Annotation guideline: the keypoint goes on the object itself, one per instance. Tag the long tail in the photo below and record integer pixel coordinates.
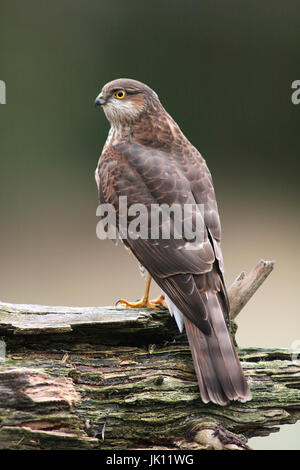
(218, 369)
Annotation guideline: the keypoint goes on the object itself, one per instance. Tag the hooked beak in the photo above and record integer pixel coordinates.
(99, 101)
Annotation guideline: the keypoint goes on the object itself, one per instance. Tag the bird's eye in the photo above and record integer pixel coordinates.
(119, 94)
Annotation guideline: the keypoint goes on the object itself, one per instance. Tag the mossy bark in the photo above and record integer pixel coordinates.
(115, 379)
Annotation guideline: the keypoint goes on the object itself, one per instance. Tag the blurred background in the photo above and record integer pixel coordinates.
(223, 70)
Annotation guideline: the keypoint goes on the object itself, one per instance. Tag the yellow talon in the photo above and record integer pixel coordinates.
(160, 301)
(145, 302)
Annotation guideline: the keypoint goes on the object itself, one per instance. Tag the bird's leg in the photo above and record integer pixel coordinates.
(144, 302)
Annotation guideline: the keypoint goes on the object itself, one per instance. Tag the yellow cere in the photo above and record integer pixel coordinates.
(120, 94)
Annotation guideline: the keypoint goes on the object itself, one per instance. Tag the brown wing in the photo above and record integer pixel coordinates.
(196, 171)
(150, 176)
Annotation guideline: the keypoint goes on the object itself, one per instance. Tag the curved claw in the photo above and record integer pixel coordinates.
(143, 303)
(158, 303)
(122, 301)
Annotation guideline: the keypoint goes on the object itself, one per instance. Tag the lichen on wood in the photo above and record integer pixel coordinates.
(111, 378)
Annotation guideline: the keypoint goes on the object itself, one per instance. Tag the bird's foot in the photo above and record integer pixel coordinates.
(143, 303)
(160, 302)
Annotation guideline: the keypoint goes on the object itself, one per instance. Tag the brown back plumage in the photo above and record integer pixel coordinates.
(149, 160)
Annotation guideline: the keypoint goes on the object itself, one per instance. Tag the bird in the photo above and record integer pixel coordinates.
(147, 159)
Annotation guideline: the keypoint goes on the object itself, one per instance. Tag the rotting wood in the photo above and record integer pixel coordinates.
(111, 378)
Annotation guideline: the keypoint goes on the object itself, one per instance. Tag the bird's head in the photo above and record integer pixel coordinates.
(125, 100)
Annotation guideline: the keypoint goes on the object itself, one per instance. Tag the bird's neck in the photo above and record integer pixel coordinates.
(118, 133)
(153, 129)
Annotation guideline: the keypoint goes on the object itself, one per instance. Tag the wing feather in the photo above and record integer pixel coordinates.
(183, 273)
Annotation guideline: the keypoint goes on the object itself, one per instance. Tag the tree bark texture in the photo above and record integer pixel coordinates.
(112, 378)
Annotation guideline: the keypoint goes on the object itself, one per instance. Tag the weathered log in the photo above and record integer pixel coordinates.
(111, 378)
(112, 325)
